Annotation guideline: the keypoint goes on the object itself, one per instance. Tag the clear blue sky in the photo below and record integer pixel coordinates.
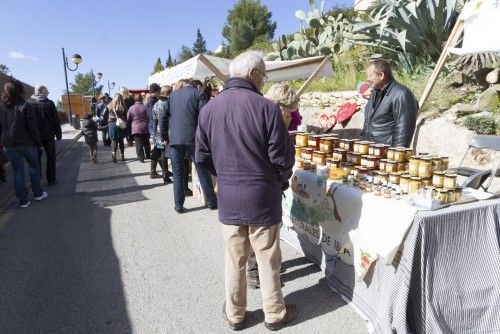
(121, 39)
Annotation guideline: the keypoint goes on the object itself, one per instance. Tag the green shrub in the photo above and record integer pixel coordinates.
(483, 125)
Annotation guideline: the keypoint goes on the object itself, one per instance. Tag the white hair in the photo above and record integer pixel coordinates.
(41, 89)
(241, 65)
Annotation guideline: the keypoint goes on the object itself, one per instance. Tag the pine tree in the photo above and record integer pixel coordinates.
(158, 67)
(83, 85)
(200, 45)
(169, 62)
(184, 54)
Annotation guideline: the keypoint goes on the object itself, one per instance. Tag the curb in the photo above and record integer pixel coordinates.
(11, 194)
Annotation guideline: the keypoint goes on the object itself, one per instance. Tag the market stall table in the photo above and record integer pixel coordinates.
(437, 272)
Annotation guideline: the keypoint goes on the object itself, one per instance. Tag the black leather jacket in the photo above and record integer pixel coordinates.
(391, 115)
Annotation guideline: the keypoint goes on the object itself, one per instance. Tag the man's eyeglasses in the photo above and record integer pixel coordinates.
(264, 76)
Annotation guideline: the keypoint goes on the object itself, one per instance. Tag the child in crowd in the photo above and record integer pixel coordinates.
(89, 131)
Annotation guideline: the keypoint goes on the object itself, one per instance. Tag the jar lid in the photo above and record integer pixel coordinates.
(391, 162)
(400, 148)
(394, 174)
(319, 152)
(409, 149)
(415, 157)
(450, 175)
(442, 190)
(383, 173)
(426, 158)
(438, 172)
(416, 178)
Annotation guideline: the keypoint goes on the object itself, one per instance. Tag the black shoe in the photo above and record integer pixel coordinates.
(169, 173)
(234, 326)
(154, 175)
(50, 184)
(188, 192)
(291, 314)
(167, 180)
(141, 160)
(181, 210)
(212, 207)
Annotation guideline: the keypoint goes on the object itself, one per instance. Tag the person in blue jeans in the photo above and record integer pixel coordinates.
(178, 128)
(20, 138)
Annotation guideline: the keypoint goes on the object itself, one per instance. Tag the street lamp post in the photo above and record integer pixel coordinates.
(94, 81)
(110, 87)
(76, 59)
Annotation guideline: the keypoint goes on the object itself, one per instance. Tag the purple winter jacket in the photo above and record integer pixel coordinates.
(137, 119)
(241, 137)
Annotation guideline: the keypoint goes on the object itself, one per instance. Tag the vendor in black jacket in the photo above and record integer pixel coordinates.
(391, 111)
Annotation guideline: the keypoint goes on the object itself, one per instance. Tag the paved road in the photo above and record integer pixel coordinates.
(106, 253)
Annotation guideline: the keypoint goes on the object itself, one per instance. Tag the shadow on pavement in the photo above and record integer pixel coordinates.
(59, 272)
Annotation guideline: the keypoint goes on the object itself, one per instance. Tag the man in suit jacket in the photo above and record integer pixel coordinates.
(391, 111)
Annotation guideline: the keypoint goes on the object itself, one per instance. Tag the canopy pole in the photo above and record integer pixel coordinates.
(312, 76)
(212, 67)
(452, 39)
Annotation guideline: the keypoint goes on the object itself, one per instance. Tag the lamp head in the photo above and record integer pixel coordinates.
(76, 59)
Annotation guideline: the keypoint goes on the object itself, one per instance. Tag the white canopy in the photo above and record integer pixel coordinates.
(481, 26)
(196, 68)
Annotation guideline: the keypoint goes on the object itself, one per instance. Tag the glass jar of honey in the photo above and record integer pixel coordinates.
(307, 153)
(356, 146)
(340, 154)
(409, 154)
(326, 144)
(377, 150)
(299, 163)
(298, 151)
(425, 167)
(391, 166)
(394, 178)
(404, 182)
(313, 141)
(450, 181)
(414, 185)
(382, 164)
(347, 167)
(372, 162)
(319, 158)
(400, 154)
(436, 164)
(401, 166)
(363, 147)
(445, 162)
(329, 155)
(390, 153)
(438, 179)
(349, 145)
(442, 196)
(333, 163)
(427, 182)
(413, 166)
(380, 177)
(301, 139)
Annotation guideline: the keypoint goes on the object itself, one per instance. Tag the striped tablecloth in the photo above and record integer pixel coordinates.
(445, 277)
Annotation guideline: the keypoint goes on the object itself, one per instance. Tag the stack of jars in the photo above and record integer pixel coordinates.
(313, 151)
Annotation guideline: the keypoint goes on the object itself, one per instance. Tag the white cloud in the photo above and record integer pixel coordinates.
(20, 55)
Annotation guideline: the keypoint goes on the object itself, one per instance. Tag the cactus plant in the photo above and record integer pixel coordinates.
(326, 36)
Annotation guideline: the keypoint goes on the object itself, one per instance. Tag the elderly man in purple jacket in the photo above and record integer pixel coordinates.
(241, 138)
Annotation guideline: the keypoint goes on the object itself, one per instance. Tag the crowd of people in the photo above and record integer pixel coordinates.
(239, 135)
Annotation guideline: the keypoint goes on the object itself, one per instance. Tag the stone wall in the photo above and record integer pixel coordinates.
(313, 105)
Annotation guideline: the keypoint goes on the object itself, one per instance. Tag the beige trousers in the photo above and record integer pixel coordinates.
(265, 242)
